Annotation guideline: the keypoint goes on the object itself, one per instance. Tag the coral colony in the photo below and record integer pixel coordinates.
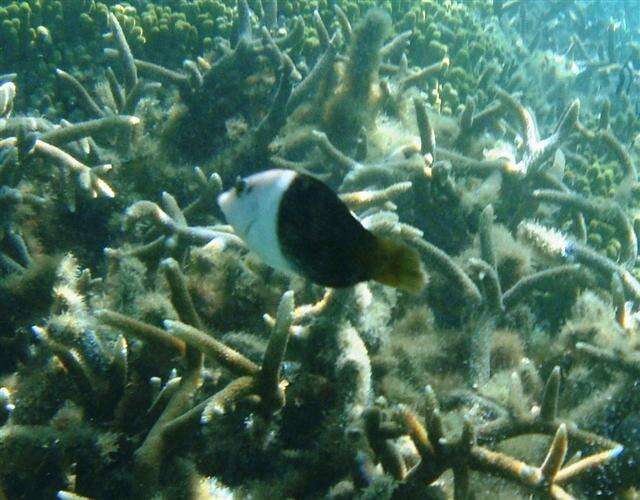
(147, 352)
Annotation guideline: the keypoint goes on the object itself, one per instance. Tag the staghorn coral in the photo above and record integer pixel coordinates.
(180, 363)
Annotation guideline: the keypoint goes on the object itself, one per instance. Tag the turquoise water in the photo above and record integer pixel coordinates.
(474, 198)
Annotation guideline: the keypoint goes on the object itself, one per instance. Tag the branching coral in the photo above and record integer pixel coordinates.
(465, 454)
(163, 370)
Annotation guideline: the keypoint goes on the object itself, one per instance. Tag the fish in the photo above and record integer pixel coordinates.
(297, 224)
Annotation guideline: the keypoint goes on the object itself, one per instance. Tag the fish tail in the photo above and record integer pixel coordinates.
(397, 265)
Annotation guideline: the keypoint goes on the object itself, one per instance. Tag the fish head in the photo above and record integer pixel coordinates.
(240, 206)
(253, 199)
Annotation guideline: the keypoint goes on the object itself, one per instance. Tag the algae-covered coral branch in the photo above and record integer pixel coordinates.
(149, 456)
(163, 371)
(437, 454)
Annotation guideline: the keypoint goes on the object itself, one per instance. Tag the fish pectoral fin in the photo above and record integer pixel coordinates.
(397, 265)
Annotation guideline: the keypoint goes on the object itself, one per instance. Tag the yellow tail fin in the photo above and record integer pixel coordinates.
(397, 265)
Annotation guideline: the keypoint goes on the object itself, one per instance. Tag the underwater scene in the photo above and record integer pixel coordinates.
(319, 249)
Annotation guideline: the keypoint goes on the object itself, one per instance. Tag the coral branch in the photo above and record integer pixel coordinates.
(546, 280)
(367, 198)
(537, 150)
(227, 357)
(441, 262)
(76, 131)
(427, 135)
(549, 403)
(130, 72)
(606, 210)
(438, 454)
(317, 74)
(271, 394)
(220, 402)
(151, 453)
(345, 25)
(556, 245)
(487, 250)
(628, 362)
(81, 92)
(139, 329)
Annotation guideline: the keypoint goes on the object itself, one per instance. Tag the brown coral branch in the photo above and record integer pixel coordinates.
(139, 329)
(612, 142)
(580, 226)
(162, 399)
(263, 382)
(295, 35)
(441, 262)
(420, 76)
(545, 280)
(317, 74)
(244, 31)
(129, 66)
(438, 454)
(527, 123)
(177, 78)
(604, 209)
(550, 396)
(81, 92)
(619, 360)
(84, 379)
(175, 226)
(275, 118)
(270, 13)
(87, 178)
(117, 92)
(367, 198)
(558, 246)
(480, 341)
(76, 131)
(380, 436)
(485, 233)
(619, 301)
(67, 495)
(268, 380)
(210, 187)
(467, 115)
(586, 464)
(427, 134)
(589, 257)
(485, 116)
(537, 150)
(307, 311)
(342, 160)
(477, 167)
(489, 277)
(396, 44)
(153, 248)
(180, 297)
(205, 343)
(343, 20)
(222, 401)
(321, 30)
(137, 92)
(518, 420)
(149, 456)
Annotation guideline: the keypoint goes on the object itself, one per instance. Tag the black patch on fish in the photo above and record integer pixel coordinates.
(320, 237)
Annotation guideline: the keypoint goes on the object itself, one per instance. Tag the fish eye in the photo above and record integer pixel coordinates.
(240, 185)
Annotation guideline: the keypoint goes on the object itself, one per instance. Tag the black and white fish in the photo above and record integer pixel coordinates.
(297, 224)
